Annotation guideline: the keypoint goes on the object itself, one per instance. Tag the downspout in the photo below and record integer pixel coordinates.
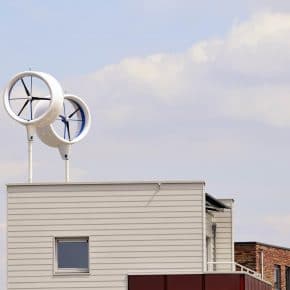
(233, 241)
(214, 245)
(204, 230)
(262, 264)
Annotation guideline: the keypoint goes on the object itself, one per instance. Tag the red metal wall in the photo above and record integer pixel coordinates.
(196, 282)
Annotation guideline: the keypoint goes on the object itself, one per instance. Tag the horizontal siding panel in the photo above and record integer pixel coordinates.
(110, 261)
(144, 209)
(24, 245)
(29, 262)
(128, 247)
(196, 228)
(97, 268)
(61, 285)
(135, 267)
(104, 251)
(106, 232)
(110, 255)
(151, 255)
(109, 244)
(66, 278)
(224, 225)
(169, 237)
(76, 287)
(224, 230)
(224, 257)
(32, 250)
(141, 248)
(29, 268)
(224, 215)
(225, 250)
(106, 188)
(225, 235)
(96, 205)
(195, 222)
(98, 215)
(96, 199)
(100, 274)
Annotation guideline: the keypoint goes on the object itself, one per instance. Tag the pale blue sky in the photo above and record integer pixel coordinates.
(177, 89)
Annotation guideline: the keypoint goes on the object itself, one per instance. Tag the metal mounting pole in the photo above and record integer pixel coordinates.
(66, 161)
(30, 161)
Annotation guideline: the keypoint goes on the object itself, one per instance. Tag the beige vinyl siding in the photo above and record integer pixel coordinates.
(224, 236)
(132, 228)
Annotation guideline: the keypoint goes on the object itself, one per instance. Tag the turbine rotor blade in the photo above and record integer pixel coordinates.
(68, 131)
(37, 98)
(74, 112)
(25, 104)
(25, 87)
(31, 109)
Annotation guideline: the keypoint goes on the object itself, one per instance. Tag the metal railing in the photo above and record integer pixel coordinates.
(232, 267)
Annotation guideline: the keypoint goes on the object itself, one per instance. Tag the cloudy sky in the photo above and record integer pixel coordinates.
(177, 89)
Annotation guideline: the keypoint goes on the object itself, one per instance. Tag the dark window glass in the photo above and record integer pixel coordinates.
(72, 253)
(287, 272)
(277, 277)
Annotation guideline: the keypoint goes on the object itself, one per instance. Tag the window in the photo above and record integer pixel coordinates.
(277, 277)
(287, 273)
(71, 255)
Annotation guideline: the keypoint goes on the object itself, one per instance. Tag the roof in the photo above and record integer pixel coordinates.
(261, 244)
(214, 204)
(114, 182)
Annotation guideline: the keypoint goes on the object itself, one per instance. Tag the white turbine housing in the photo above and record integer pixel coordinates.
(71, 125)
(19, 98)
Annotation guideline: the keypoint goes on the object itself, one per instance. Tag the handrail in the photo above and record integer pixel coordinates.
(236, 267)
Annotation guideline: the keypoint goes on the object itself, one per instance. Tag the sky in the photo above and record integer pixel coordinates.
(190, 90)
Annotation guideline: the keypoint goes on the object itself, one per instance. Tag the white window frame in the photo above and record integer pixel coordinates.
(69, 271)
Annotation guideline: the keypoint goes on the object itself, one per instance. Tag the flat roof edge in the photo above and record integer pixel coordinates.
(134, 182)
(262, 244)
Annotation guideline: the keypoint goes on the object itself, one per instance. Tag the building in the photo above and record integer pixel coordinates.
(272, 262)
(111, 235)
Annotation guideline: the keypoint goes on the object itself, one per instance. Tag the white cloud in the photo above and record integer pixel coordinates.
(245, 76)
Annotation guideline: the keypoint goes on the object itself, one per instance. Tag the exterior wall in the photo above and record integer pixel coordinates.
(246, 255)
(249, 255)
(132, 228)
(224, 236)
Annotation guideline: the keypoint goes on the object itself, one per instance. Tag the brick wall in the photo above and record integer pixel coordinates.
(249, 255)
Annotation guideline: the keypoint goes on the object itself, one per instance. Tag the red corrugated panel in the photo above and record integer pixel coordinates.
(146, 282)
(254, 284)
(196, 282)
(184, 282)
(222, 282)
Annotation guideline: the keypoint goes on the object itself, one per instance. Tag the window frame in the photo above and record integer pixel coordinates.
(70, 271)
(287, 276)
(277, 278)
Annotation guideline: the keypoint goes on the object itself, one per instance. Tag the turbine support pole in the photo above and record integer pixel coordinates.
(66, 162)
(30, 161)
(64, 150)
(30, 134)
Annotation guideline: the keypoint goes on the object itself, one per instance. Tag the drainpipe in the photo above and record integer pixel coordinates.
(204, 266)
(214, 244)
(262, 264)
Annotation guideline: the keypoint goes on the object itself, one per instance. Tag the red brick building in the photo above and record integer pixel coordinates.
(272, 262)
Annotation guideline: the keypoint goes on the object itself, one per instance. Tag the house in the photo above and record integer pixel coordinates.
(121, 235)
(273, 262)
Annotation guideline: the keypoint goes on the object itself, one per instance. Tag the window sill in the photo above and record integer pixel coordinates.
(70, 273)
